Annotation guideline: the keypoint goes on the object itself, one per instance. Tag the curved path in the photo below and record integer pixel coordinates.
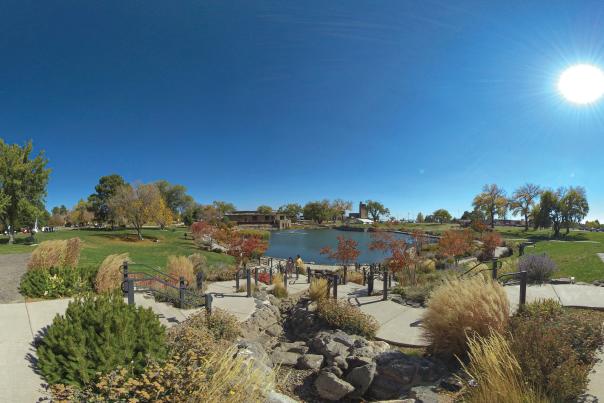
(12, 267)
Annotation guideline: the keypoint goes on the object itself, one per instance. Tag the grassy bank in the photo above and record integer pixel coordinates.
(97, 244)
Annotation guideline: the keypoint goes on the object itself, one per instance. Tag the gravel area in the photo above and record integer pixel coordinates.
(12, 268)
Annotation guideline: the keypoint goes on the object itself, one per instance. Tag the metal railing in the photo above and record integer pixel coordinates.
(152, 279)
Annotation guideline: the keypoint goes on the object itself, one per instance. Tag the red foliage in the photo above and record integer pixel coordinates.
(243, 248)
(264, 278)
(347, 252)
(455, 243)
(401, 253)
(490, 241)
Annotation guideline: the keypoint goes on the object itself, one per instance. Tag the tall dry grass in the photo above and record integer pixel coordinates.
(459, 309)
(278, 289)
(199, 261)
(318, 289)
(58, 253)
(109, 277)
(497, 373)
(181, 266)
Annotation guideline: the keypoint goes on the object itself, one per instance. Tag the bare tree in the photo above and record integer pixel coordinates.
(523, 201)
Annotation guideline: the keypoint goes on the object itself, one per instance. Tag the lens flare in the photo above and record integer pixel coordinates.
(582, 84)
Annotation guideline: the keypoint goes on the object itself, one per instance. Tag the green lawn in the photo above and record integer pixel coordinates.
(97, 244)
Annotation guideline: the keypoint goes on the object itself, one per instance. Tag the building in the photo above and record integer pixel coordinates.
(256, 219)
(362, 214)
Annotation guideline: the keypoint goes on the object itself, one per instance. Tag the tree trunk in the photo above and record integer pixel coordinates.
(139, 233)
(492, 220)
(526, 222)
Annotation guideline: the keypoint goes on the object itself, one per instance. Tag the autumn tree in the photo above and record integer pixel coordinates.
(223, 207)
(376, 210)
(244, 247)
(339, 208)
(136, 205)
(291, 211)
(523, 201)
(490, 241)
(23, 181)
(419, 240)
(402, 257)
(455, 243)
(104, 190)
(347, 252)
(165, 214)
(318, 211)
(175, 197)
(81, 213)
(492, 202)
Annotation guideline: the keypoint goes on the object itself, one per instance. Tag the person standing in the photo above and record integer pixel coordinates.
(299, 265)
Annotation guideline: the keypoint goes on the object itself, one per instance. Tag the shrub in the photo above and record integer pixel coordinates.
(556, 347)
(97, 334)
(419, 293)
(109, 276)
(461, 308)
(181, 266)
(57, 282)
(539, 268)
(497, 373)
(56, 253)
(341, 315)
(355, 277)
(319, 289)
(278, 290)
(199, 262)
(221, 272)
(220, 377)
(257, 233)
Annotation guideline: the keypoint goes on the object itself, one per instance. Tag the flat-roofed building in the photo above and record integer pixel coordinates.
(256, 219)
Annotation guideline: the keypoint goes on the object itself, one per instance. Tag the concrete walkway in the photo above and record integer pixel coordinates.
(12, 267)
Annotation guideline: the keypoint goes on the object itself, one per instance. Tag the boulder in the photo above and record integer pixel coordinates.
(276, 397)
(296, 347)
(285, 358)
(361, 378)
(274, 330)
(254, 353)
(357, 361)
(340, 361)
(395, 374)
(451, 383)
(310, 361)
(334, 370)
(424, 394)
(330, 387)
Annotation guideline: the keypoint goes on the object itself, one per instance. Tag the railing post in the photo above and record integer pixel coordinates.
(248, 282)
(256, 277)
(181, 292)
(199, 279)
(209, 300)
(237, 280)
(494, 268)
(125, 268)
(297, 273)
(370, 281)
(345, 280)
(285, 279)
(336, 280)
(130, 283)
(523, 281)
(385, 276)
(308, 274)
(270, 273)
(521, 249)
(364, 276)
(390, 275)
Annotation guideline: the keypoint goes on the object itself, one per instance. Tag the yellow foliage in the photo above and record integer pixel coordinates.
(278, 290)
(109, 276)
(181, 266)
(318, 289)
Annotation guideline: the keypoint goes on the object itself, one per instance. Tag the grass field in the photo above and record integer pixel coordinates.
(97, 244)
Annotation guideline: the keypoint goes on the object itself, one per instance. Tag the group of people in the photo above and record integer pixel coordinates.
(298, 264)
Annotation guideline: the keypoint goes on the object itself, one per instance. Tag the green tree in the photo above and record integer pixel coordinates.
(292, 211)
(339, 208)
(376, 210)
(442, 216)
(549, 211)
(264, 209)
(223, 207)
(23, 182)
(105, 189)
(523, 201)
(492, 202)
(81, 213)
(59, 210)
(420, 218)
(175, 196)
(574, 206)
(318, 211)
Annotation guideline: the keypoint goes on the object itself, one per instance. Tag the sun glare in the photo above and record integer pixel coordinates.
(582, 83)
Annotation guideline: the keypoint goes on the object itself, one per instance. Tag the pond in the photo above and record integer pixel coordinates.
(308, 243)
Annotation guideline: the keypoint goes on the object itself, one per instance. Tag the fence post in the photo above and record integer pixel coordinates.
(209, 300)
(285, 279)
(125, 266)
(308, 274)
(256, 277)
(523, 281)
(494, 268)
(181, 292)
(521, 249)
(270, 274)
(364, 276)
(385, 275)
(297, 272)
(199, 278)
(237, 280)
(248, 282)
(130, 291)
(345, 280)
(336, 280)
(370, 281)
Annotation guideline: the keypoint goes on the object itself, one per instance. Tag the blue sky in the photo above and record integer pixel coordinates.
(414, 103)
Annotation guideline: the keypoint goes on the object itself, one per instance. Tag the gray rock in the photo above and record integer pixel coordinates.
(357, 361)
(333, 349)
(334, 370)
(296, 347)
(310, 361)
(363, 352)
(330, 387)
(276, 397)
(274, 330)
(344, 338)
(395, 374)
(380, 346)
(361, 378)
(285, 358)
(451, 383)
(254, 354)
(424, 394)
(341, 362)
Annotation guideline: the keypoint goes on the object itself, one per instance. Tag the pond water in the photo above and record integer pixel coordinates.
(308, 243)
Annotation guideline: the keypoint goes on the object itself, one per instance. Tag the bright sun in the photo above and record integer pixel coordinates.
(582, 83)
